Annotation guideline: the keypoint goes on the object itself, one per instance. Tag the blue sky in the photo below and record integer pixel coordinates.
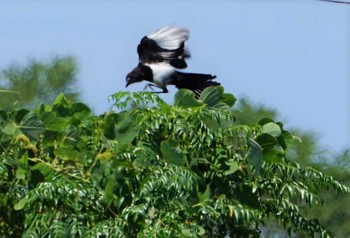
(290, 55)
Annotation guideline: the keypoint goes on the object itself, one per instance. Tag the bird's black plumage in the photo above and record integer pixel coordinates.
(139, 73)
(194, 82)
(160, 53)
(150, 52)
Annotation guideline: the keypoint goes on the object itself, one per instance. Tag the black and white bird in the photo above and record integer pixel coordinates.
(160, 54)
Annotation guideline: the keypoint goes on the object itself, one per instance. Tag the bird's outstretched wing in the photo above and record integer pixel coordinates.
(165, 45)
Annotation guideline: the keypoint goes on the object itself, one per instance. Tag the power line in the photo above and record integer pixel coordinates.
(335, 1)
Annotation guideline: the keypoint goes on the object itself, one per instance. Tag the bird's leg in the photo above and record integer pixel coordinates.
(151, 86)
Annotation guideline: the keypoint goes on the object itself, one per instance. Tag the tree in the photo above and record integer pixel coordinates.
(151, 170)
(38, 83)
(334, 212)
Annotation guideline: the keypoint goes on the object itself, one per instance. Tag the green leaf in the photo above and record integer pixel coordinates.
(233, 167)
(266, 141)
(272, 151)
(109, 125)
(59, 124)
(229, 99)
(272, 128)
(203, 197)
(212, 95)
(46, 170)
(187, 232)
(201, 231)
(3, 115)
(216, 121)
(274, 155)
(52, 122)
(185, 98)
(80, 107)
(126, 129)
(21, 173)
(141, 162)
(286, 140)
(211, 123)
(265, 121)
(22, 168)
(109, 190)
(60, 99)
(67, 154)
(20, 204)
(31, 126)
(171, 152)
(10, 128)
(47, 117)
(79, 112)
(226, 121)
(255, 156)
(194, 230)
(163, 106)
(20, 114)
(222, 106)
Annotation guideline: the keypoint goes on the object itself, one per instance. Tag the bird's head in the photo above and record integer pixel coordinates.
(138, 74)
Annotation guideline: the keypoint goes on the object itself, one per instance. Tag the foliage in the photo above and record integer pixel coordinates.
(335, 215)
(151, 170)
(248, 113)
(37, 83)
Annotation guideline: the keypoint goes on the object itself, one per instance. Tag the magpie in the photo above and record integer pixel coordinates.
(160, 54)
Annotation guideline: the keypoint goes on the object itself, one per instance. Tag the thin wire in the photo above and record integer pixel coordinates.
(335, 1)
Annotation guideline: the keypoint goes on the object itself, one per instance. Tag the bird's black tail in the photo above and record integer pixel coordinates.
(194, 82)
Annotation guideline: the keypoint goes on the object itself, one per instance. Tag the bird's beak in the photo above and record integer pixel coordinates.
(127, 82)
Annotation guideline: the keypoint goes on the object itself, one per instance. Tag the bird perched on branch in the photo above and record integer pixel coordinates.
(160, 54)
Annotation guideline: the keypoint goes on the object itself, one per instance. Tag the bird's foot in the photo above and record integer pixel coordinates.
(149, 85)
(152, 86)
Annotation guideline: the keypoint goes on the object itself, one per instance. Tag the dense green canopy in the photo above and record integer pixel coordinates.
(151, 169)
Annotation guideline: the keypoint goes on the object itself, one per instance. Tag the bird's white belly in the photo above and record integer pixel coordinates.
(161, 73)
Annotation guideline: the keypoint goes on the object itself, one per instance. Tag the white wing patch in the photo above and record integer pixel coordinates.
(170, 37)
(161, 73)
